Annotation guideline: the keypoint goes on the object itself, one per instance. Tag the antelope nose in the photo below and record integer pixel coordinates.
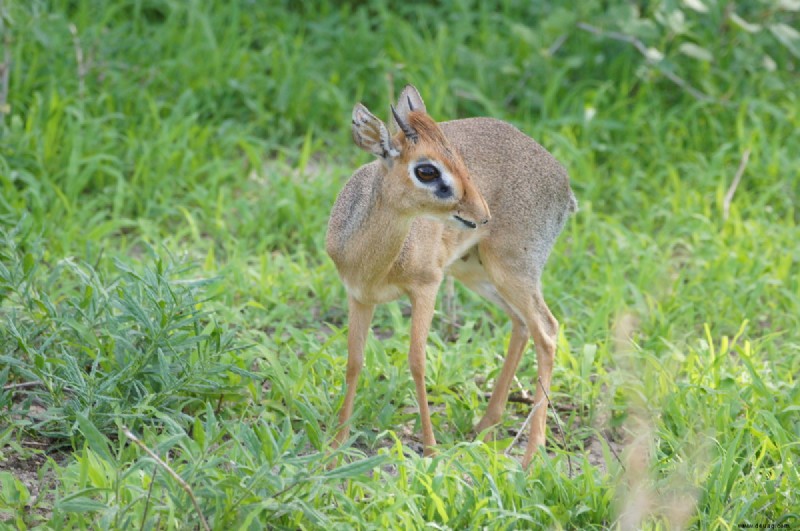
(487, 216)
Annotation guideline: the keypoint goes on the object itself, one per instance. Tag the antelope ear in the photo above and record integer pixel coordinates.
(370, 134)
(409, 100)
(402, 123)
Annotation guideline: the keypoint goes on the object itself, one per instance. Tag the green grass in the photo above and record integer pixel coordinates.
(166, 173)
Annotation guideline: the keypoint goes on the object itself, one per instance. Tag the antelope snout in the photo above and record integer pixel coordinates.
(474, 215)
(482, 214)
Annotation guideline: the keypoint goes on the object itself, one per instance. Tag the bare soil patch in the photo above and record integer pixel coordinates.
(34, 471)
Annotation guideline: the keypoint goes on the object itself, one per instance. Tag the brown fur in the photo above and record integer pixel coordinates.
(384, 244)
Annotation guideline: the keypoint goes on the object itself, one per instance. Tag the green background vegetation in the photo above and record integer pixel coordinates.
(166, 173)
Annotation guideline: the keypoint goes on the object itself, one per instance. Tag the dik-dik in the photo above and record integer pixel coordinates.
(475, 198)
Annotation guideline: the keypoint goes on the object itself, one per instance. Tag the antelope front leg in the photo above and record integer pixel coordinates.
(422, 305)
(360, 316)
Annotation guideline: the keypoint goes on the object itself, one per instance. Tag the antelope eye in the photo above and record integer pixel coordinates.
(426, 173)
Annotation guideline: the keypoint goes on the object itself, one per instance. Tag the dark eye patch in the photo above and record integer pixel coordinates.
(427, 173)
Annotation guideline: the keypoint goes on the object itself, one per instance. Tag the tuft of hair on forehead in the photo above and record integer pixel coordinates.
(426, 128)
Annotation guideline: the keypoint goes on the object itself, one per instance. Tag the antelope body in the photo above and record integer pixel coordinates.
(475, 198)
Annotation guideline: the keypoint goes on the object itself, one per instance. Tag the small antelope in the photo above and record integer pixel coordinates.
(476, 198)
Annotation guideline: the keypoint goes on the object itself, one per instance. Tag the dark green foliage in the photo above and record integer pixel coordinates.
(133, 344)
